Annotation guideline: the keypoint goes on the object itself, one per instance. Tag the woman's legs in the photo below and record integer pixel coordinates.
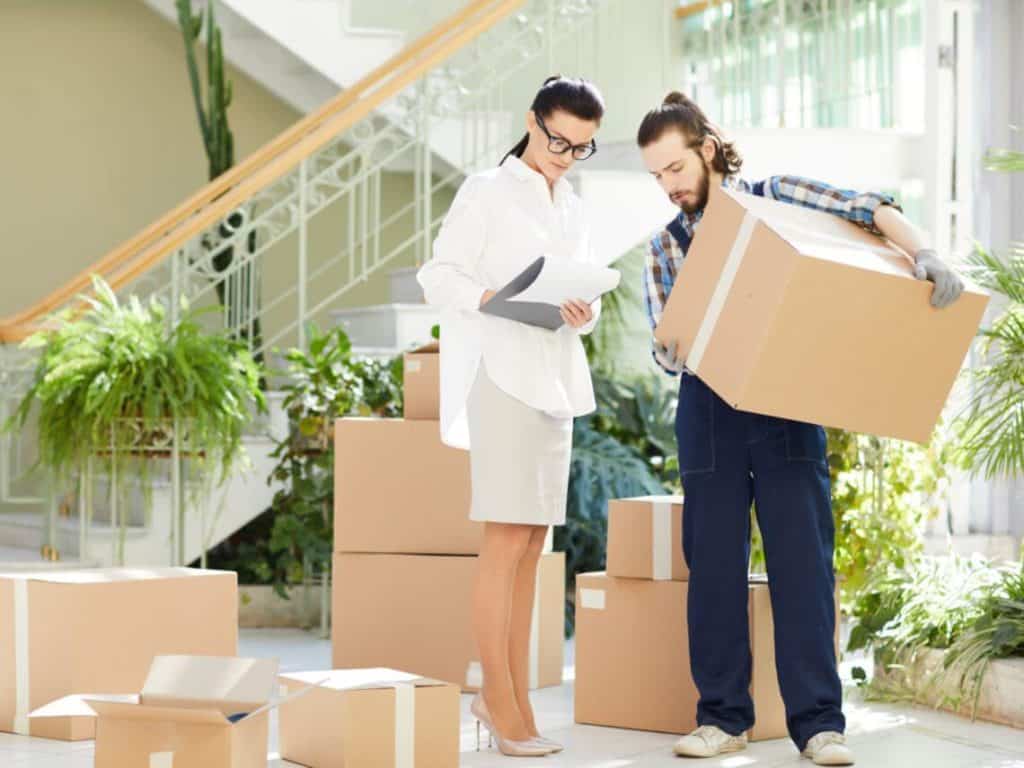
(504, 546)
(519, 633)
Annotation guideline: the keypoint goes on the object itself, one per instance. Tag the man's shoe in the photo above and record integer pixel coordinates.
(708, 741)
(828, 748)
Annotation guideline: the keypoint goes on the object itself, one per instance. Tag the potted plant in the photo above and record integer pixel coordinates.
(120, 385)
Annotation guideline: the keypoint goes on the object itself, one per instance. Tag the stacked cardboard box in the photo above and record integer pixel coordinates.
(405, 550)
(632, 651)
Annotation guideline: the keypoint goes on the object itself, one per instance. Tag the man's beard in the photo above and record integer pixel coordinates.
(702, 192)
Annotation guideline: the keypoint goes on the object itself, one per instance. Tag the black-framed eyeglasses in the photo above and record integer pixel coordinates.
(560, 146)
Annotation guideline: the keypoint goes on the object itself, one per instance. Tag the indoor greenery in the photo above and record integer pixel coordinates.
(991, 426)
(211, 101)
(293, 540)
(968, 607)
(125, 376)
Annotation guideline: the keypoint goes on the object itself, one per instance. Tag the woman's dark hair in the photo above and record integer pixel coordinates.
(678, 112)
(576, 96)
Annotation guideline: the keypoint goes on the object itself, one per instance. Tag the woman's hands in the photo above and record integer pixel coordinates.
(576, 313)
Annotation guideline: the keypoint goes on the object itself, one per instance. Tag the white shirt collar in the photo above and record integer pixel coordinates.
(522, 171)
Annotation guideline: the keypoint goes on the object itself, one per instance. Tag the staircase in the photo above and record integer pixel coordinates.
(355, 192)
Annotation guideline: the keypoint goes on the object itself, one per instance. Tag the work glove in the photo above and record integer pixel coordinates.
(948, 285)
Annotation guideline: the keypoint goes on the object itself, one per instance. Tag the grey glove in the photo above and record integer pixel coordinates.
(948, 285)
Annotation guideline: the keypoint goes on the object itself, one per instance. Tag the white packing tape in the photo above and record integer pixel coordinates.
(721, 292)
(661, 540)
(413, 366)
(21, 659)
(592, 598)
(161, 760)
(405, 725)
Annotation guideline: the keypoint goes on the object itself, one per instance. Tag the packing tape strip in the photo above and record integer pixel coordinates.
(592, 598)
(405, 725)
(21, 659)
(161, 760)
(721, 292)
(661, 540)
(413, 366)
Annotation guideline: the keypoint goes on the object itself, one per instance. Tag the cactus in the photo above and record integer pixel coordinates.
(219, 142)
(212, 111)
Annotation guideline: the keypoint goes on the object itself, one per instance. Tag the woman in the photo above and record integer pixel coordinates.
(510, 390)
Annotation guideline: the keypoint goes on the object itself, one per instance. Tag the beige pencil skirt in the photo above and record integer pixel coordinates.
(519, 458)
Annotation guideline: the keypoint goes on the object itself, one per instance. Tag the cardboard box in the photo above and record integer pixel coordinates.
(792, 312)
(421, 389)
(193, 712)
(98, 630)
(369, 718)
(413, 612)
(631, 637)
(399, 489)
(645, 538)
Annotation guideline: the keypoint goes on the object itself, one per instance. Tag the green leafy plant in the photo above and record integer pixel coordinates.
(996, 632)
(991, 426)
(294, 539)
(115, 380)
(970, 608)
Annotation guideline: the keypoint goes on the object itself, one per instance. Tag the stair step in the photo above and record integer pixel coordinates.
(388, 326)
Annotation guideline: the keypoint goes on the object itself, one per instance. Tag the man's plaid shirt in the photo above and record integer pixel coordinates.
(665, 255)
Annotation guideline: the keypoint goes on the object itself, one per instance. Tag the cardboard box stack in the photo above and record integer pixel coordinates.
(405, 549)
(632, 651)
(792, 312)
(64, 632)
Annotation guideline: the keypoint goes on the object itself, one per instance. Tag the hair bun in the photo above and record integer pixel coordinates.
(675, 98)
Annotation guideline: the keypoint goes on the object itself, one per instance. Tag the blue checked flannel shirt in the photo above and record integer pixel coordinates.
(665, 256)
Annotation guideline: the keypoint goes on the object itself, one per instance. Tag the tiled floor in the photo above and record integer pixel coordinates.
(882, 735)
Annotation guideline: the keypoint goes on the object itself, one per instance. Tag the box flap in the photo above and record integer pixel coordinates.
(210, 678)
(122, 711)
(360, 679)
(81, 705)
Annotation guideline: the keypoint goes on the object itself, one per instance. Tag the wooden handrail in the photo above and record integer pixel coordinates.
(215, 200)
(693, 9)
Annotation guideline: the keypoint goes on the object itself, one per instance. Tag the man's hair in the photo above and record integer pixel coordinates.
(678, 112)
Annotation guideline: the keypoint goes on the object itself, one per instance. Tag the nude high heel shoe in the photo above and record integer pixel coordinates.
(529, 748)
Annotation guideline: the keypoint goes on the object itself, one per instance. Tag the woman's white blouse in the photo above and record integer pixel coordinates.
(499, 223)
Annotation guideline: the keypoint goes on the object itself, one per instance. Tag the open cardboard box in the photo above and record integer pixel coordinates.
(192, 712)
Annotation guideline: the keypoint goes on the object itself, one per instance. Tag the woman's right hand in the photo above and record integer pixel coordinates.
(488, 294)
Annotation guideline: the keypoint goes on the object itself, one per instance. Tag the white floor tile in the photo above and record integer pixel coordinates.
(882, 735)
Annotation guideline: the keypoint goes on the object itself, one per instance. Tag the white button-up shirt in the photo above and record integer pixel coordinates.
(499, 223)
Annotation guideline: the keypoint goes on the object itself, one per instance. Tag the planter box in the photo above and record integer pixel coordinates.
(260, 606)
(1002, 689)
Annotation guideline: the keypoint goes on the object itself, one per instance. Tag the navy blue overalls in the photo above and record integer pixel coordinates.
(728, 459)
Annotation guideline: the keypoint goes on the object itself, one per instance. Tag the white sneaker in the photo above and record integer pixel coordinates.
(708, 741)
(828, 748)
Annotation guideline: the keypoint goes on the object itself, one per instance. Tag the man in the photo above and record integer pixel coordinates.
(730, 458)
